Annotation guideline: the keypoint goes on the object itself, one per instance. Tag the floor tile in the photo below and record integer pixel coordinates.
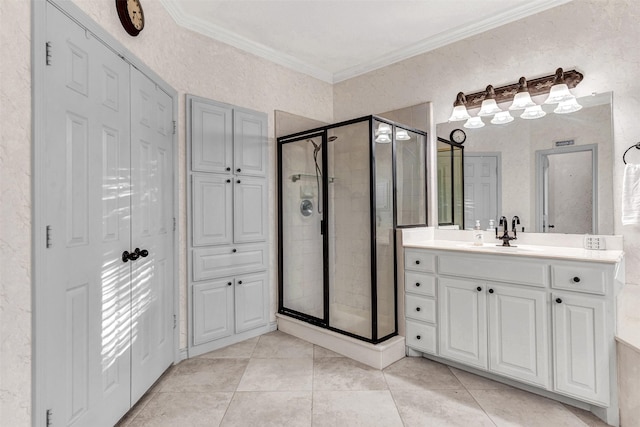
(269, 409)
(319, 352)
(205, 375)
(133, 412)
(518, 408)
(277, 375)
(434, 408)
(355, 409)
(341, 373)
(241, 350)
(417, 373)
(476, 382)
(587, 417)
(280, 345)
(183, 409)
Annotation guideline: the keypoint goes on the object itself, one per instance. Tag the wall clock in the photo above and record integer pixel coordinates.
(458, 136)
(131, 15)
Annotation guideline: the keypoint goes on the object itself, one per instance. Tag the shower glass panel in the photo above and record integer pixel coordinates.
(302, 242)
(385, 236)
(337, 217)
(411, 181)
(350, 230)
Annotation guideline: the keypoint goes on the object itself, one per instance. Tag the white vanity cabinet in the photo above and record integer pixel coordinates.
(538, 320)
(227, 224)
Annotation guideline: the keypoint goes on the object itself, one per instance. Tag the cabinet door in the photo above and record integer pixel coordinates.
(211, 136)
(251, 301)
(250, 143)
(463, 321)
(212, 310)
(250, 206)
(518, 334)
(212, 215)
(581, 362)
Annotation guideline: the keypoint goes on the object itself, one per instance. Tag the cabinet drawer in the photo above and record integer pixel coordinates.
(529, 272)
(420, 308)
(420, 283)
(419, 260)
(580, 277)
(421, 337)
(224, 261)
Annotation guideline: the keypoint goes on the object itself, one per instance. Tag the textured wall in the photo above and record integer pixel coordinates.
(189, 62)
(598, 37)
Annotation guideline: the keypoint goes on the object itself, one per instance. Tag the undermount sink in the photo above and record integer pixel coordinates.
(499, 248)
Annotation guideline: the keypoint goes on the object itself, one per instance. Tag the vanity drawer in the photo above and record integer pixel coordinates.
(530, 272)
(210, 263)
(580, 277)
(420, 283)
(419, 260)
(421, 337)
(420, 308)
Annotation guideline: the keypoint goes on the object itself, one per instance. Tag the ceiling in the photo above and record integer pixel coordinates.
(334, 40)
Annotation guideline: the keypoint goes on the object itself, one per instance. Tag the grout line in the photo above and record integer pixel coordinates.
(472, 396)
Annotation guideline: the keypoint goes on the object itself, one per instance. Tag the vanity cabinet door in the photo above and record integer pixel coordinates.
(581, 362)
(463, 321)
(518, 333)
(251, 301)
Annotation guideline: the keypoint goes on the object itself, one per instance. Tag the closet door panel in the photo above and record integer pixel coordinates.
(152, 224)
(212, 209)
(211, 137)
(86, 207)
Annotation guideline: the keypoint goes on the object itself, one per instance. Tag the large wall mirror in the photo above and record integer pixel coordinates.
(555, 173)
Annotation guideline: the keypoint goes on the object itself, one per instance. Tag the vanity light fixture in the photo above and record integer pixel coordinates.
(474, 123)
(459, 109)
(489, 106)
(522, 99)
(557, 85)
(402, 135)
(502, 118)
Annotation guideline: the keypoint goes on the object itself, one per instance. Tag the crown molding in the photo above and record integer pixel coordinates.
(196, 24)
(218, 33)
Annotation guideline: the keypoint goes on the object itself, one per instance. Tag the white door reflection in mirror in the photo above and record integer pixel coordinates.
(567, 200)
(481, 192)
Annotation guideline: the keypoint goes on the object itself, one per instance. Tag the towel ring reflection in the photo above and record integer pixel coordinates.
(637, 145)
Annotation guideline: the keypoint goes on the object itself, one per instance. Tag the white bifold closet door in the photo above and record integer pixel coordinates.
(109, 189)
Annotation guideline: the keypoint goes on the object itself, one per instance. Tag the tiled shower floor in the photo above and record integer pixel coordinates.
(280, 380)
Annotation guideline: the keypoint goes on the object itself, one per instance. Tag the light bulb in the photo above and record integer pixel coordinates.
(534, 112)
(501, 118)
(474, 123)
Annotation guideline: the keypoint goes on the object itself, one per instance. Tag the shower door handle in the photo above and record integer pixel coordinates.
(322, 226)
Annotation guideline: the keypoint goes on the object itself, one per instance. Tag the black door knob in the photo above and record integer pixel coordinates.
(479, 288)
(418, 337)
(559, 301)
(238, 181)
(417, 284)
(228, 180)
(238, 170)
(125, 256)
(229, 283)
(234, 250)
(239, 282)
(490, 291)
(576, 279)
(417, 261)
(417, 308)
(228, 169)
(143, 253)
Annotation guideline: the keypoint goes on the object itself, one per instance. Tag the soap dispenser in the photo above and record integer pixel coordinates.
(477, 234)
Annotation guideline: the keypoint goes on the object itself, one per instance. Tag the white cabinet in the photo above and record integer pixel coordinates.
(228, 232)
(463, 321)
(541, 321)
(581, 355)
(518, 333)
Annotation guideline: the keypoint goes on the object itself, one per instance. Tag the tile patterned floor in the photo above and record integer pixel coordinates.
(280, 380)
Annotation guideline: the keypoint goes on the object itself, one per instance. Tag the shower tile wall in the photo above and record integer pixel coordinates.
(302, 241)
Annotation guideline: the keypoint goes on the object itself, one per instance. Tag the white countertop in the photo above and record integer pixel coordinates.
(532, 251)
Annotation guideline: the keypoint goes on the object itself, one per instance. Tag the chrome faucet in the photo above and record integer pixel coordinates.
(505, 230)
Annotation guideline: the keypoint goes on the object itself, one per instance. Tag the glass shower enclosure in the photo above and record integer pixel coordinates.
(342, 191)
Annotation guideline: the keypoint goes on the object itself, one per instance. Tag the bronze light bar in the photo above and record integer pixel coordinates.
(537, 86)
